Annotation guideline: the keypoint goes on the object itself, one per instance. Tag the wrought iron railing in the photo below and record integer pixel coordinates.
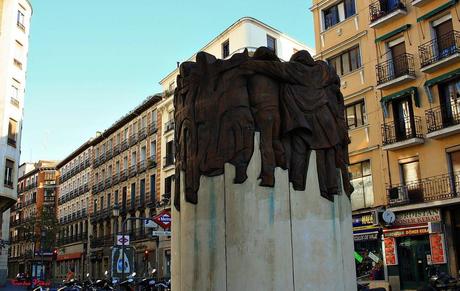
(429, 189)
(439, 48)
(168, 160)
(405, 129)
(153, 128)
(169, 125)
(442, 117)
(382, 8)
(394, 68)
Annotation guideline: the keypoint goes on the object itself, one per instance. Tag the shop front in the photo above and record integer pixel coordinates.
(367, 235)
(412, 243)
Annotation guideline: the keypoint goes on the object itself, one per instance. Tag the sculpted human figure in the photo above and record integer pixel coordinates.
(308, 119)
(264, 100)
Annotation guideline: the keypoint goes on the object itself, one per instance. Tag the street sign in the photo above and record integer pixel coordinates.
(148, 223)
(122, 264)
(122, 240)
(163, 219)
(161, 233)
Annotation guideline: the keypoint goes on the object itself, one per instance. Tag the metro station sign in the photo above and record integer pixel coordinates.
(163, 219)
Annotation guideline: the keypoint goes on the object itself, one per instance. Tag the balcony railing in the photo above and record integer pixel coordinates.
(133, 139)
(123, 175)
(153, 128)
(442, 117)
(99, 242)
(124, 145)
(169, 125)
(132, 171)
(49, 199)
(116, 149)
(115, 179)
(395, 132)
(394, 68)
(151, 162)
(168, 160)
(430, 189)
(439, 48)
(108, 182)
(382, 8)
(141, 166)
(138, 233)
(142, 133)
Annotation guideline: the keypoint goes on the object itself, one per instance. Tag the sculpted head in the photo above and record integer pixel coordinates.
(303, 57)
(265, 54)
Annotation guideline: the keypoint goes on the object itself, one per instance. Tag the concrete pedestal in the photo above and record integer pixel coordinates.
(248, 237)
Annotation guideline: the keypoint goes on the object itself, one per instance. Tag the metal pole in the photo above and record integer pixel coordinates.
(123, 228)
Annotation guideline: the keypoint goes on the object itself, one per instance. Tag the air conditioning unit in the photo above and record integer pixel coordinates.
(434, 227)
(398, 194)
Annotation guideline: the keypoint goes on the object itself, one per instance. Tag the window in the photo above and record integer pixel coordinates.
(8, 179)
(168, 186)
(143, 153)
(133, 193)
(20, 20)
(108, 200)
(142, 190)
(225, 49)
(152, 188)
(14, 96)
(12, 132)
(115, 197)
(338, 13)
(169, 159)
(17, 63)
(410, 172)
(154, 118)
(361, 179)
(153, 149)
(356, 114)
(346, 62)
(271, 43)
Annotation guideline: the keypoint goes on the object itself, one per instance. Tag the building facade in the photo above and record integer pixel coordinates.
(15, 18)
(125, 187)
(399, 67)
(74, 193)
(33, 221)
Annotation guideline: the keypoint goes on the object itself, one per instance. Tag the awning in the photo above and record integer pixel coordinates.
(437, 10)
(442, 78)
(392, 33)
(409, 91)
(71, 256)
(430, 83)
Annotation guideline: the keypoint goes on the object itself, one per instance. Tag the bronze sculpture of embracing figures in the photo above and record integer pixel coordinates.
(296, 107)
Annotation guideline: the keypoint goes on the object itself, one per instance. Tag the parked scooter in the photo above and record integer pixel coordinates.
(71, 285)
(103, 284)
(128, 284)
(148, 284)
(440, 280)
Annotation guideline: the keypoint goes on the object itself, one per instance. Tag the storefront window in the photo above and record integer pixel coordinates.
(361, 179)
(369, 260)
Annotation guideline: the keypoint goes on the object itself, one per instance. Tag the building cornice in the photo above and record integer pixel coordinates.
(341, 45)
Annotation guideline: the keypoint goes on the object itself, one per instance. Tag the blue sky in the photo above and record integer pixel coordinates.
(90, 62)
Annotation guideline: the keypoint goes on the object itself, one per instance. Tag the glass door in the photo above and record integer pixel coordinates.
(450, 102)
(403, 119)
(410, 174)
(412, 255)
(444, 38)
(399, 61)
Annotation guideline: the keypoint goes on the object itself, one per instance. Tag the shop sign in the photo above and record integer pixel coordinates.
(363, 220)
(391, 256)
(407, 232)
(365, 236)
(418, 216)
(438, 250)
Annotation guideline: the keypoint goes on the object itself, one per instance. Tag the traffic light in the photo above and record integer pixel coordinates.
(55, 253)
(146, 255)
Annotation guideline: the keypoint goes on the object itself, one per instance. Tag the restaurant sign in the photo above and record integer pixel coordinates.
(418, 216)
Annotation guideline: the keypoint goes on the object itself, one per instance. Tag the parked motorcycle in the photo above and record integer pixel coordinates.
(440, 280)
(71, 285)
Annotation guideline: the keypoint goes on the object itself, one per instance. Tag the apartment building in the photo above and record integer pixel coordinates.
(246, 33)
(124, 187)
(399, 66)
(72, 212)
(15, 18)
(33, 221)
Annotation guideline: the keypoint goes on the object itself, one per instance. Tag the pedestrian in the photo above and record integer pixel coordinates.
(70, 274)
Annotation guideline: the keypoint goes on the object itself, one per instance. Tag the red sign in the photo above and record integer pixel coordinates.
(163, 219)
(438, 253)
(390, 251)
(406, 232)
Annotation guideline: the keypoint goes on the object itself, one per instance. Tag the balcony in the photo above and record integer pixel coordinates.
(168, 160)
(169, 126)
(124, 145)
(384, 11)
(116, 149)
(108, 183)
(139, 233)
(96, 162)
(403, 134)
(115, 179)
(142, 133)
(123, 175)
(100, 242)
(425, 190)
(49, 199)
(133, 139)
(94, 189)
(132, 205)
(132, 171)
(395, 71)
(153, 128)
(419, 3)
(443, 121)
(440, 52)
(151, 162)
(141, 166)
(140, 201)
(100, 186)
